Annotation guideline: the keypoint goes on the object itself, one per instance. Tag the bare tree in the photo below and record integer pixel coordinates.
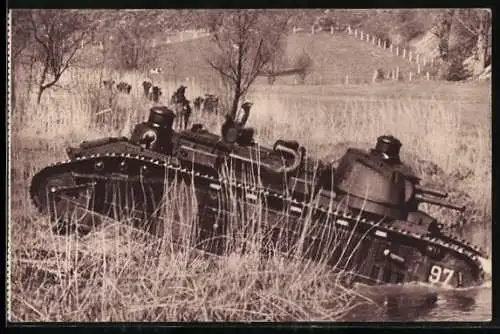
(132, 45)
(442, 31)
(246, 41)
(19, 42)
(59, 35)
(477, 22)
(139, 31)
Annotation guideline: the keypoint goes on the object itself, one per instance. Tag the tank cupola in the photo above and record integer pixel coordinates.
(388, 148)
(161, 116)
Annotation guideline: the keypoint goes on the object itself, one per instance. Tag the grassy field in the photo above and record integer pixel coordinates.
(118, 274)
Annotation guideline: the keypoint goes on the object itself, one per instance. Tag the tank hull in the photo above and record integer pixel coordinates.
(118, 179)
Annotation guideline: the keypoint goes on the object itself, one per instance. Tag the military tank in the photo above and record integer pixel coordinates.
(360, 216)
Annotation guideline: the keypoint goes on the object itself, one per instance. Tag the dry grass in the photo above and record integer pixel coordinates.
(118, 274)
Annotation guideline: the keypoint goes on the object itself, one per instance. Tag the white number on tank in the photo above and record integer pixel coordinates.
(437, 272)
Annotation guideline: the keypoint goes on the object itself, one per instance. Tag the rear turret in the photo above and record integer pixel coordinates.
(156, 133)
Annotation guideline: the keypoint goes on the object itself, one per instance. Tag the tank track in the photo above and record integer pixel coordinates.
(449, 242)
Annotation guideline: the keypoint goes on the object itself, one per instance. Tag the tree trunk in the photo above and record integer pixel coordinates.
(237, 88)
(42, 81)
(482, 44)
(445, 21)
(236, 99)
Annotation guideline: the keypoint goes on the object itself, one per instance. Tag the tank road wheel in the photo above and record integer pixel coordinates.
(61, 211)
(41, 196)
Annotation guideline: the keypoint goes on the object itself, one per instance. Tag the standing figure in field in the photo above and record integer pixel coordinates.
(108, 84)
(197, 103)
(181, 106)
(146, 86)
(243, 114)
(155, 94)
(211, 104)
(234, 131)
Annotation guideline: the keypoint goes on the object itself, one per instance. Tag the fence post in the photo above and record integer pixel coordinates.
(331, 29)
(397, 50)
(428, 76)
(425, 60)
(418, 68)
(378, 42)
(355, 32)
(410, 75)
(368, 38)
(418, 58)
(385, 44)
(397, 73)
(361, 34)
(373, 40)
(410, 57)
(404, 53)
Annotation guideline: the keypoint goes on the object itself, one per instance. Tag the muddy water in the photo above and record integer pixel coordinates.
(422, 303)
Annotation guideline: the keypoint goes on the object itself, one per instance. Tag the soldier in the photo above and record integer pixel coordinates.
(146, 85)
(108, 84)
(197, 103)
(243, 113)
(156, 93)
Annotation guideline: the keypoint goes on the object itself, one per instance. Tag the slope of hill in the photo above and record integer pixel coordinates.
(334, 57)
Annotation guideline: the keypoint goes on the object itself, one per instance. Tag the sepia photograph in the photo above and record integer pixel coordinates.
(249, 165)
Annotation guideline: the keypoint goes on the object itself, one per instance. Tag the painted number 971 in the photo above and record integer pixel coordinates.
(437, 272)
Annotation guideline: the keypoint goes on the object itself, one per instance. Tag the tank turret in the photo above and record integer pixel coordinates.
(155, 134)
(379, 183)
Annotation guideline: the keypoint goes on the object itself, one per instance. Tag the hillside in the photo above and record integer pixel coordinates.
(334, 57)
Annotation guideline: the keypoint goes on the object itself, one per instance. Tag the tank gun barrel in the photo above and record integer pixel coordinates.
(429, 191)
(427, 199)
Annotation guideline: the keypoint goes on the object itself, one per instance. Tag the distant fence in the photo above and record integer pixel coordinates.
(421, 61)
(348, 79)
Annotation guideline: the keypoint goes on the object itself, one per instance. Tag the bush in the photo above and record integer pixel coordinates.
(303, 61)
(411, 30)
(453, 69)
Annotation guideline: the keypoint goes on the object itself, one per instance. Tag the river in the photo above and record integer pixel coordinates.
(419, 303)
